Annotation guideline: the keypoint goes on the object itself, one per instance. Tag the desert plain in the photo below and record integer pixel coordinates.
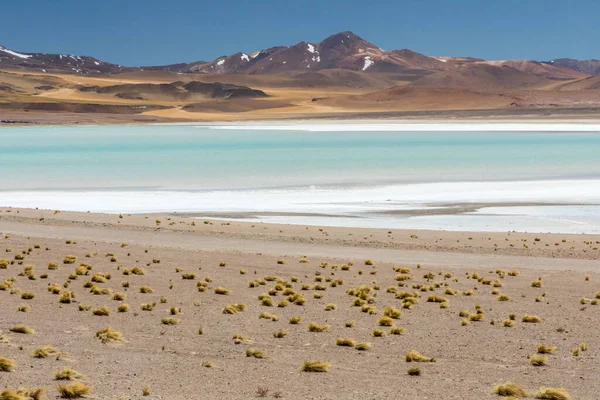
(206, 308)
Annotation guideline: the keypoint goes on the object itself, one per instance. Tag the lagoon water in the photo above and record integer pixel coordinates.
(450, 176)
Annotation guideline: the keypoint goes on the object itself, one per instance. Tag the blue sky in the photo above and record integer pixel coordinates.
(153, 32)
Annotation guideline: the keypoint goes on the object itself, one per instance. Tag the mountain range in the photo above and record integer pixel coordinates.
(341, 51)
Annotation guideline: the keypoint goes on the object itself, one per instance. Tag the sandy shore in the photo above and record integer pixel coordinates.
(470, 359)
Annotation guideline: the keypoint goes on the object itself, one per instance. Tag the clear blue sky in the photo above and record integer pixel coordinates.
(152, 32)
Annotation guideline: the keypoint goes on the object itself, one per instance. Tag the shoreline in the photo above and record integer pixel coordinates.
(523, 244)
(530, 116)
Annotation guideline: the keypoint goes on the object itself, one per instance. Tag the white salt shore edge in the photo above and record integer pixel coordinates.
(379, 126)
(578, 212)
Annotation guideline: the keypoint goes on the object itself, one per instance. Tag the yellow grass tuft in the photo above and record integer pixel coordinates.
(363, 346)
(510, 389)
(538, 360)
(315, 366)
(543, 349)
(222, 290)
(385, 321)
(347, 342)
(255, 353)
(7, 365)
(531, 319)
(45, 351)
(74, 390)
(280, 334)
(234, 308)
(392, 312)
(103, 311)
(123, 308)
(415, 356)
(146, 289)
(312, 327)
(552, 394)
(397, 331)
(170, 321)
(67, 374)
(109, 335)
(22, 329)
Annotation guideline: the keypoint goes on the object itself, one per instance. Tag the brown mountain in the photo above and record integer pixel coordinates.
(343, 50)
(479, 76)
(546, 70)
(590, 67)
(56, 62)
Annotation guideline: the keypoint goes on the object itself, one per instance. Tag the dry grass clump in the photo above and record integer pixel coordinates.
(312, 327)
(146, 289)
(119, 296)
(74, 390)
(415, 356)
(222, 290)
(84, 307)
(510, 389)
(146, 391)
(188, 276)
(503, 297)
(54, 288)
(103, 311)
(363, 346)
(538, 360)
(234, 308)
(330, 307)
(543, 349)
(414, 371)
(295, 320)
(22, 329)
(147, 306)
(170, 321)
(531, 319)
(67, 374)
(27, 296)
(350, 324)
(255, 353)
(280, 334)
(552, 394)
(392, 312)
(397, 331)
(315, 366)
(69, 259)
(23, 308)
(385, 321)
(7, 365)
(52, 266)
(509, 323)
(347, 342)
(109, 335)
(536, 284)
(303, 260)
(123, 308)
(378, 333)
(45, 351)
(66, 297)
(436, 299)
(266, 315)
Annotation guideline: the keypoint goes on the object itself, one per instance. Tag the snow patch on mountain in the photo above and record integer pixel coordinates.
(368, 63)
(14, 53)
(245, 57)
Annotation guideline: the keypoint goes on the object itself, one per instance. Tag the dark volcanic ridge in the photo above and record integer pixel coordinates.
(176, 91)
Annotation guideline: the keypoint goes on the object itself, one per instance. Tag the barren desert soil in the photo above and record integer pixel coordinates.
(462, 271)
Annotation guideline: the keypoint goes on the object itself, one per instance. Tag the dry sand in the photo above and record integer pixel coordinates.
(470, 359)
